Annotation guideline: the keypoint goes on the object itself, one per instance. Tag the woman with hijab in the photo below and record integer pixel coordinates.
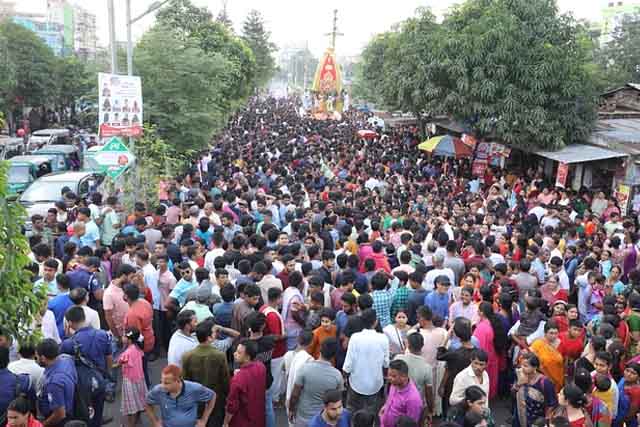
(293, 309)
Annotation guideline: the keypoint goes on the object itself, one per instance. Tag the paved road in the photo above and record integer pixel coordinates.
(501, 408)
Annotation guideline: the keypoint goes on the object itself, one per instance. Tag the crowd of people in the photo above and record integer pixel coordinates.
(348, 282)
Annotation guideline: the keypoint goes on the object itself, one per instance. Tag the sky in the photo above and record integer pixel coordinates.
(297, 22)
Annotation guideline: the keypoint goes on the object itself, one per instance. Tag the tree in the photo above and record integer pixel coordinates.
(223, 17)
(71, 81)
(153, 154)
(515, 70)
(387, 74)
(28, 62)
(183, 88)
(190, 22)
(20, 302)
(257, 37)
(620, 57)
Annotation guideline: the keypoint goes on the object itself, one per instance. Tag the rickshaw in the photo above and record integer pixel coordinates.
(66, 157)
(23, 170)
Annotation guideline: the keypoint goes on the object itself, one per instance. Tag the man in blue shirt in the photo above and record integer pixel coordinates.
(94, 344)
(438, 301)
(178, 401)
(55, 399)
(178, 296)
(61, 302)
(84, 276)
(333, 414)
(12, 385)
(91, 236)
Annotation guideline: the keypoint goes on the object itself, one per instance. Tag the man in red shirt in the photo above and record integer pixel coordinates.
(246, 401)
(140, 316)
(275, 326)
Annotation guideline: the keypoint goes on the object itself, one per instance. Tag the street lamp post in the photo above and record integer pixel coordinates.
(152, 7)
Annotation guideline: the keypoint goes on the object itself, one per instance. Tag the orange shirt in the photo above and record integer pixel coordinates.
(319, 335)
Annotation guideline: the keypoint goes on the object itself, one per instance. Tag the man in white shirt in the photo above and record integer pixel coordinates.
(182, 340)
(367, 355)
(474, 374)
(438, 270)
(27, 364)
(556, 266)
(150, 275)
(80, 297)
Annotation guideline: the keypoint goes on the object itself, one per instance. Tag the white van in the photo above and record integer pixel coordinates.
(43, 137)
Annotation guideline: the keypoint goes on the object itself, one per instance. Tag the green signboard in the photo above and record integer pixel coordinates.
(114, 158)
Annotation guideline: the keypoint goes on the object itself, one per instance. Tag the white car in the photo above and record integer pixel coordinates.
(43, 137)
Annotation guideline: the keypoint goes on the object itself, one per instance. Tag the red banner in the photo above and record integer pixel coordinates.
(107, 131)
(478, 167)
(561, 176)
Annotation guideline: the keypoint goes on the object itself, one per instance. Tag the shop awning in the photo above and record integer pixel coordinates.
(580, 153)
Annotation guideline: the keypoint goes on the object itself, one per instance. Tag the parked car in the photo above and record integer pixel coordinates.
(43, 137)
(10, 147)
(66, 157)
(23, 170)
(47, 190)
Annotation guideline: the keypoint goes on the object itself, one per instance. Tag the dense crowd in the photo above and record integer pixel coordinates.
(351, 282)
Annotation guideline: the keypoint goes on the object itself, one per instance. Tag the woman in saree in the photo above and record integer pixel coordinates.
(535, 393)
(492, 338)
(551, 360)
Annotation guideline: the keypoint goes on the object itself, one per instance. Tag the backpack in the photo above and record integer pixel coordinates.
(91, 386)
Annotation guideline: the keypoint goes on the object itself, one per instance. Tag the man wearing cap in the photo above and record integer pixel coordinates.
(438, 301)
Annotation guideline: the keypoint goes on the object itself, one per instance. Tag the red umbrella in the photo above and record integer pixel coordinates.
(367, 134)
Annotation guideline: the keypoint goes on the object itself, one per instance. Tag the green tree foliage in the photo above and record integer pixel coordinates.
(214, 38)
(513, 70)
(516, 71)
(183, 88)
(25, 68)
(620, 57)
(20, 302)
(255, 34)
(153, 154)
(70, 81)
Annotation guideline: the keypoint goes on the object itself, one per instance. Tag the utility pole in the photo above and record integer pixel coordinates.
(305, 70)
(129, 40)
(112, 37)
(334, 33)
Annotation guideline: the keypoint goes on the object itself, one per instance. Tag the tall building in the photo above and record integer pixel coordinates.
(50, 32)
(612, 13)
(85, 36)
(7, 9)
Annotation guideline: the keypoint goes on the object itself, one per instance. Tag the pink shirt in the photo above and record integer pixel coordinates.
(406, 401)
(113, 299)
(173, 215)
(166, 283)
(131, 362)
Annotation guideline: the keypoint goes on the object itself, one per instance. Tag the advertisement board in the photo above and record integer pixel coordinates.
(120, 105)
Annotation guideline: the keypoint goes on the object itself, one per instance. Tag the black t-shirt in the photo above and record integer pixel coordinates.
(265, 350)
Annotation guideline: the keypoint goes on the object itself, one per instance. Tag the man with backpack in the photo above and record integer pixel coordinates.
(92, 349)
(57, 391)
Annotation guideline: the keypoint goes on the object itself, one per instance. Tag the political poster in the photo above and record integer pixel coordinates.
(120, 105)
(622, 195)
(561, 175)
